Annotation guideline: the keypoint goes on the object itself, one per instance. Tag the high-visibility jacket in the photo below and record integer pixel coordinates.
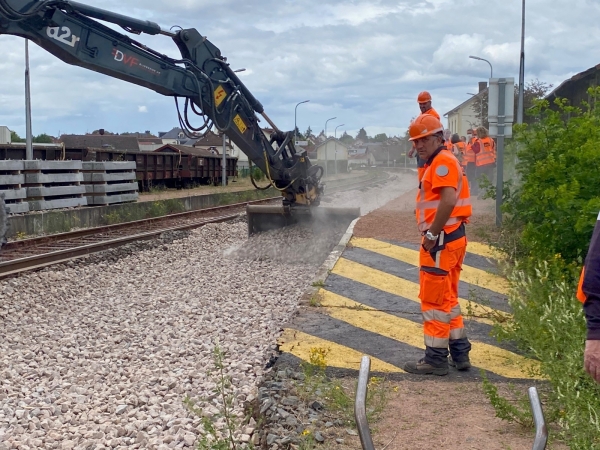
(432, 112)
(588, 291)
(487, 152)
(468, 155)
(462, 147)
(442, 170)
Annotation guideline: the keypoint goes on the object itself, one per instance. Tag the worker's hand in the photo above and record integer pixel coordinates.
(428, 245)
(591, 359)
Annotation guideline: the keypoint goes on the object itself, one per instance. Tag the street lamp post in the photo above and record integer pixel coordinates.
(481, 59)
(335, 140)
(295, 126)
(326, 158)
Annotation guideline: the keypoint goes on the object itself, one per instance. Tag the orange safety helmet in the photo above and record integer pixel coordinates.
(424, 97)
(424, 125)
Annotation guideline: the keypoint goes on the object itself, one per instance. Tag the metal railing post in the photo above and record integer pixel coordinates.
(541, 432)
(360, 404)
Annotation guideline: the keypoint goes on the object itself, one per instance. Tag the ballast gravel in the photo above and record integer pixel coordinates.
(100, 353)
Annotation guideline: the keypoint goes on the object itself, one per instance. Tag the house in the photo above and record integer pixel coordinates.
(174, 136)
(575, 88)
(148, 144)
(360, 158)
(237, 152)
(332, 155)
(463, 117)
(111, 142)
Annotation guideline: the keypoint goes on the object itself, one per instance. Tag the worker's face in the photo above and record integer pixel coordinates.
(427, 146)
(424, 107)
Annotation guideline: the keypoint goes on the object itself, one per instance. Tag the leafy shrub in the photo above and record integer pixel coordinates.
(557, 202)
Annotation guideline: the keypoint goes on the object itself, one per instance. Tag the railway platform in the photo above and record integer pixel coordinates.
(367, 304)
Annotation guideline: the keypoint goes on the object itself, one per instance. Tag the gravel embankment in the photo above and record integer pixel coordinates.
(100, 353)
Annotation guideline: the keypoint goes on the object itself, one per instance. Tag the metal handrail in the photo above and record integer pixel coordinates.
(541, 432)
(360, 404)
(360, 411)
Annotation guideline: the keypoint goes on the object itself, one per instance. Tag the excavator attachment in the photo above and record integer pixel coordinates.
(270, 217)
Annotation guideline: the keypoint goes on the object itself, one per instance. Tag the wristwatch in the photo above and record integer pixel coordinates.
(429, 235)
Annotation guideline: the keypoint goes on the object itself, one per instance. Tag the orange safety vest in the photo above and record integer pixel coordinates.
(432, 112)
(468, 155)
(444, 171)
(580, 293)
(487, 153)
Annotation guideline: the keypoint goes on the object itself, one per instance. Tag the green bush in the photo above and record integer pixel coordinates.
(549, 326)
(558, 199)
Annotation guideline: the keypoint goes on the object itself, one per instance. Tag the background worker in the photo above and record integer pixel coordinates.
(468, 161)
(589, 294)
(458, 146)
(424, 100)
(443, 207)
(485, 158)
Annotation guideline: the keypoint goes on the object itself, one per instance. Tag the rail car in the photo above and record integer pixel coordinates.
(177, 168)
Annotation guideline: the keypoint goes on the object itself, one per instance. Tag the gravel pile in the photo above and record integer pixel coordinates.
(100, 353)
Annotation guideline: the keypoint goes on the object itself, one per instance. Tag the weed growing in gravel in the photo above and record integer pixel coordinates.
(518, 411)
(214, 438)
(337, 396)
(318, 283)
(315, 300)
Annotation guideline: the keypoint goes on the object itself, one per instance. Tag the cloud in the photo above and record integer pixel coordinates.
(363, 61)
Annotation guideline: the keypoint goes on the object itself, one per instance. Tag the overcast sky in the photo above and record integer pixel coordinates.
(363, 61)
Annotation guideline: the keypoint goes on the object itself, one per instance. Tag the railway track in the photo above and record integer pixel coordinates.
(34, 253)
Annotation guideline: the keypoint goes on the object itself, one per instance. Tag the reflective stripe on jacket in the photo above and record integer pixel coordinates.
(444, 171)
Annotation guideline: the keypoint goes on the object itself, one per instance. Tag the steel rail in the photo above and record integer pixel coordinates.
(360, 404)
(36, 241)
(541, 431)
(15, 266)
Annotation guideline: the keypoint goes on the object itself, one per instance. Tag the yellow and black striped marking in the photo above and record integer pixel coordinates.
(369, 306)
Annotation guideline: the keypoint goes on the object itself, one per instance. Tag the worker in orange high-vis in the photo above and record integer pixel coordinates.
(468, 161)
(424, 100)
(457, 146)
(589, 294)
(485, 156)
(443, 208)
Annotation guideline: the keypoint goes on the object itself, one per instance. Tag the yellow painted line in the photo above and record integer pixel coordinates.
(484, 250)
(469, 274)
(299, 344)
(485, 356)
(404, 288)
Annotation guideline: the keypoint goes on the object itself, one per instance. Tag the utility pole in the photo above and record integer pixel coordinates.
(28, 137)
(326, 156)
(521, 68)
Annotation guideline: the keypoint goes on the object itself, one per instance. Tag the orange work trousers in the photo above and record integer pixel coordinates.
(443, 324)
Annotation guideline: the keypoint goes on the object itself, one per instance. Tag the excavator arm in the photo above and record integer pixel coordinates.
(201, 78)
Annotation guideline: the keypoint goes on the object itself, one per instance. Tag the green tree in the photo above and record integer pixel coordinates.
(42, 139)
(14, 137)
(381, 137)
(308, 132)
(346, 138)
(299, 135)
(362, 135)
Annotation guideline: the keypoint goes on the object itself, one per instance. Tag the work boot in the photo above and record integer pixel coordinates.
(423, 368)
(460, 365)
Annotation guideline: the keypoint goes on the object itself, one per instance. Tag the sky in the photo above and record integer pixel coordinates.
(361, 61)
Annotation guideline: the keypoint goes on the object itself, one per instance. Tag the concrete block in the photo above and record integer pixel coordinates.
(14, 194)
(118, 187)
(38, 205)
(105, 166)
(50, 178)
(7, 165)
(52, 165)
(55, 191)
(11, 179)
(17, 208)
(103, 177)
(110, 199)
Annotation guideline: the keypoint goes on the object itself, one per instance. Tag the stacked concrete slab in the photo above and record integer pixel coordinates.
(12, 180)
(110, 182)
(54, 184)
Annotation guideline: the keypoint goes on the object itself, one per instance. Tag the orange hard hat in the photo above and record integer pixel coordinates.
(424, 125)
(424, 97)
